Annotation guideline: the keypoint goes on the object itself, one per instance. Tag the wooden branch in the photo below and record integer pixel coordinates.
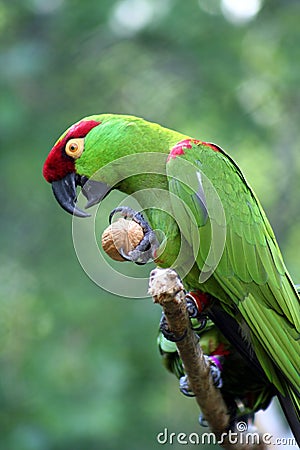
(166, 289)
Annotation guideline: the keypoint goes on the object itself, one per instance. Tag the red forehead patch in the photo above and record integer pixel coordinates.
(58, 164)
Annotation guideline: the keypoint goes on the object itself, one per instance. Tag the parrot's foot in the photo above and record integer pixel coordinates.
(168, 334)
(202, 421)
(191, 306)
(145, 250)
(198, 320)
(215, 371)
(185, 387)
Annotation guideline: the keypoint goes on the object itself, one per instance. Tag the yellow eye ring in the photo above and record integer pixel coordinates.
(75, 147)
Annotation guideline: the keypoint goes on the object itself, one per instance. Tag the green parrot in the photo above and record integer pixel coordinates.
(215, 232)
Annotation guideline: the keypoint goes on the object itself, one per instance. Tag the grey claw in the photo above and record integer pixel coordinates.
(215, 372)
(194, 314)
(168, 334)
(125, 212)
(184, 387)
(202, 421)
(140, 257)
(123, 254)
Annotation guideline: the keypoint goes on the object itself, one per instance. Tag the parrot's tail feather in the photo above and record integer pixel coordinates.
(290, 405)
(233, 333)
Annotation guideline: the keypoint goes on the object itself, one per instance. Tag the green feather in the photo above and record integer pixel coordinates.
(251, 271)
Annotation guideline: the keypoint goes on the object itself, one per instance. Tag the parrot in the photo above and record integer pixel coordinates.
(245, 390)
(213, 231)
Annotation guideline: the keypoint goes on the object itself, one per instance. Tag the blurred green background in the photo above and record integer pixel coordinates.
(79, 368)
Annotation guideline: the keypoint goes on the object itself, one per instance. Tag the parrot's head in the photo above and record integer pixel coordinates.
(100, 153)
(77, 155)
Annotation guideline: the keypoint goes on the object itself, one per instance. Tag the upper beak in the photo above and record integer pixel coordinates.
(65, 192)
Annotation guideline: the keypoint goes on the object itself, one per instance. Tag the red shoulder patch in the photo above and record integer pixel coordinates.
(214, 147)
(179, 148)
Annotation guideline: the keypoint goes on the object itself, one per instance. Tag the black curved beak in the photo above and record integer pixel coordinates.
(65, 192)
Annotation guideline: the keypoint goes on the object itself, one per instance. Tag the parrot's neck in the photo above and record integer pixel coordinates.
(144, 158)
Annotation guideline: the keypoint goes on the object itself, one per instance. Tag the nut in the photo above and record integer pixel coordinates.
(125, 234)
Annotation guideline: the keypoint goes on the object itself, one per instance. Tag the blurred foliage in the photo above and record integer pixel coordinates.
(79, 367)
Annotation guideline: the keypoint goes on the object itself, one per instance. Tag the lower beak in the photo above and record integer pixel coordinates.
(65, 192)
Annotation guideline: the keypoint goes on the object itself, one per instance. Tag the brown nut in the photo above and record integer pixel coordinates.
(125, 234)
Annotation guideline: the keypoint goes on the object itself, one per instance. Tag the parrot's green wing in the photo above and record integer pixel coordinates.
(249, 275)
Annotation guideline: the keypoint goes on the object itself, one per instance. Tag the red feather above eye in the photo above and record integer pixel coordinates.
(58, 164)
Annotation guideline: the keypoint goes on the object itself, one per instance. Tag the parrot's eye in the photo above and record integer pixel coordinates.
(74, 147)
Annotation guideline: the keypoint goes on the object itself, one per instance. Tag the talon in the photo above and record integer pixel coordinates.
(202, 421)
(215, 370)
(145, 250)
(194, 313)
(125, 212)
(202, 322)
(184, 387)
(124, 255)
(168, 334)
(191, 306)
(140, 257)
